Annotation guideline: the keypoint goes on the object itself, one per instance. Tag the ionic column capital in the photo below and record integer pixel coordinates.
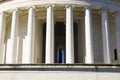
(104, 9)
(15, 9)
(12, 10)
(69, 5)
(88, 7)
(50, 5)
(29, 7)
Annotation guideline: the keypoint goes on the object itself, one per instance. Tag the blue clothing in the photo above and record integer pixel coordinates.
(60, 56)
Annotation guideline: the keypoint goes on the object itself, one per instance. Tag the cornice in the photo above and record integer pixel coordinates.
(25, 3)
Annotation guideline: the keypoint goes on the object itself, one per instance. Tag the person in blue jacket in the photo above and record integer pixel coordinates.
(60, 56)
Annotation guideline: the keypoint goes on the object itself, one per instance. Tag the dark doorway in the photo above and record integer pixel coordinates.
(59, 39)
(75, 27)
(44, 42)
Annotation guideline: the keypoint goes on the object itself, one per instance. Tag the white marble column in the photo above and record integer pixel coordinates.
(89, 58)
(49, 57)
(117, 24)
(69, 35)
(28, 57)
(105, 37)
(2, 35)
(11, 57)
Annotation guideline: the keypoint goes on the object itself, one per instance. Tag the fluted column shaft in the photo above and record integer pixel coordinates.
(28, 57)
(2, 35)
(49, 58)
(69, 35)
(88, 36)
(105, 37)
(11, 58)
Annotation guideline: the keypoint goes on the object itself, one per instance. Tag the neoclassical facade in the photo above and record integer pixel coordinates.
(32, 31)
(59, 39)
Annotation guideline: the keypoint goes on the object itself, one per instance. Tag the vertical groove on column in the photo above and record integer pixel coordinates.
(2, 36)
(49, 57)
(88, 36)
(28, 57)
(69, 35)
(105, 37)
(11, 56)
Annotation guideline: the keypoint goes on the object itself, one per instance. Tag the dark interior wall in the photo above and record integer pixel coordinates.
(59, 39)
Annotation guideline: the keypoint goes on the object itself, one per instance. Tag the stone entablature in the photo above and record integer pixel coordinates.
(26, 3)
